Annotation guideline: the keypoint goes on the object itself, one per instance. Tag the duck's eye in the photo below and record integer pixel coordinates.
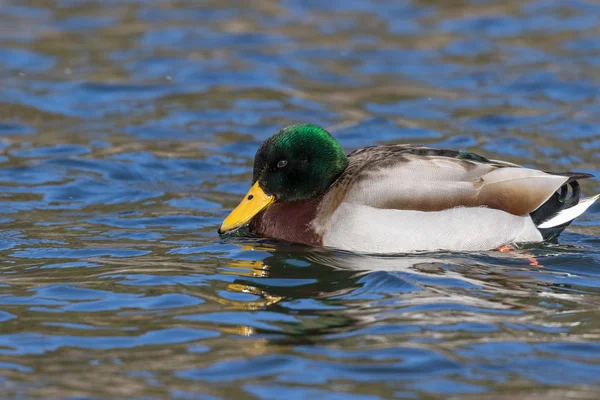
(281, 163)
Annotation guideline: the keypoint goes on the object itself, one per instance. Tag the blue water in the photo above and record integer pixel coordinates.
(127, 133)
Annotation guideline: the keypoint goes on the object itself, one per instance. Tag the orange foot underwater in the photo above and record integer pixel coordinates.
(532, 260)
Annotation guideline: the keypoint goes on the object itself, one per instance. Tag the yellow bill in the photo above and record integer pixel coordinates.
(254, 202)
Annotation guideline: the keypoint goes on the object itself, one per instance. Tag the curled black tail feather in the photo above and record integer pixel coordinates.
(558, 202)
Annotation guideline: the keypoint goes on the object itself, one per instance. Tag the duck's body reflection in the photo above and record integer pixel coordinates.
(331, 293)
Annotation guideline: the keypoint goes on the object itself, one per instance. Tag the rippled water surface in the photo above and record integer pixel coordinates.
(128, 130)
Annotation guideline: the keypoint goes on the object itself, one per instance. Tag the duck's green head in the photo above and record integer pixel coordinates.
(297, 163)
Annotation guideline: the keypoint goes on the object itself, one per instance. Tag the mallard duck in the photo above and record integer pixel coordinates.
(399, 198)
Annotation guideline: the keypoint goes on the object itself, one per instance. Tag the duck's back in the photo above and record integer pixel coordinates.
(405, 177)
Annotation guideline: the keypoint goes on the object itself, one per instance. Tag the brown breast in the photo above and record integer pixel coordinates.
(289, 221)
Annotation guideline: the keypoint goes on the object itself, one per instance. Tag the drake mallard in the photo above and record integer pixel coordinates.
(399, 198)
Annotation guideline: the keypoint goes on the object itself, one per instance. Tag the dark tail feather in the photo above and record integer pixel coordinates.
(558, 202)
